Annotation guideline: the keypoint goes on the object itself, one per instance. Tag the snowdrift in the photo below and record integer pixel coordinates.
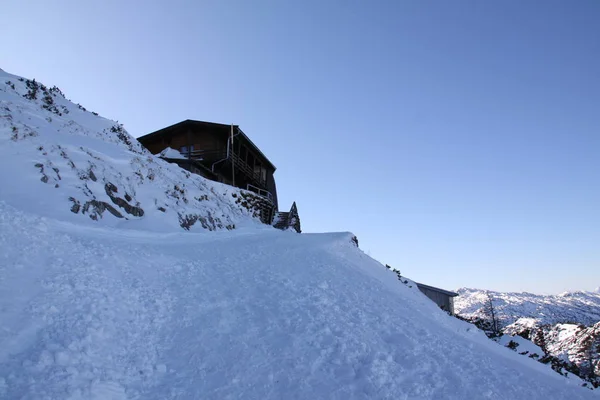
(106, 313)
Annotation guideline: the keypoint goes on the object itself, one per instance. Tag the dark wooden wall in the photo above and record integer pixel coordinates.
(209, 141)
(215, 139)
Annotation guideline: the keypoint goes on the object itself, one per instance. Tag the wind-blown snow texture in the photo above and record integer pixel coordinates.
(97, 313)
(97, 310)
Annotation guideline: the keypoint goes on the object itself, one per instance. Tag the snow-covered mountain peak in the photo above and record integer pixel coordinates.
(566, 326)
(580, 306)
(65, 161)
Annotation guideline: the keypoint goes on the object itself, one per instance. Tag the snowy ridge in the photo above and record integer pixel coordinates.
(73, 163)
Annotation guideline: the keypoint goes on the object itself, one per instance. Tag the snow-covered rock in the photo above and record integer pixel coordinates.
(521, 345)
(60, 160)
(571, 342)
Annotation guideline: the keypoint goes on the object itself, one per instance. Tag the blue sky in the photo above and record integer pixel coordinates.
(460, 141)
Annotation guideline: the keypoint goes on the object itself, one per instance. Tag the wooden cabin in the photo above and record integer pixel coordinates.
(218, 152)
(443, 298)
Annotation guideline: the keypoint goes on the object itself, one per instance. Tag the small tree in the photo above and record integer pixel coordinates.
(539, 338)
(490, 312)
(591, 357)
(596, 355)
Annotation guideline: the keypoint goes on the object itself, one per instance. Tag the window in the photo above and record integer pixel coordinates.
(260, 171)
(185, 150)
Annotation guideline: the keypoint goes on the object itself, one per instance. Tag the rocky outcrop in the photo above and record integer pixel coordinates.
(95, 168)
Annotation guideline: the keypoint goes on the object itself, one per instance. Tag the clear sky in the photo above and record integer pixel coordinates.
(459, 140)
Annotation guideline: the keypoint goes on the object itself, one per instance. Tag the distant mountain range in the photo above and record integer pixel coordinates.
(566, 327)
(571, 307)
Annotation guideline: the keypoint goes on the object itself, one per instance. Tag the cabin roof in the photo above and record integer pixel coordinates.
(225, 128)
(446, 292)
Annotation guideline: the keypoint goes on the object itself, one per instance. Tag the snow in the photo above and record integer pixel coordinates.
(96, 312)
(571, 342)
(560, 319)
(583, 307)
(138, 308)
(524, 346)
(80, 156)
(172, 153)
(566, 331)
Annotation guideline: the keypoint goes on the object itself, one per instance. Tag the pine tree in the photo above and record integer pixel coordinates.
(591, 356)
(490, 312)
(540, 339)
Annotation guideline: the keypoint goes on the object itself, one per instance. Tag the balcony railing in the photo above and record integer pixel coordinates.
(261, 192)
(202, 154)
(239, 164)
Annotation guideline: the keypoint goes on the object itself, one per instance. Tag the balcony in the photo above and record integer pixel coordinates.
(213, 156)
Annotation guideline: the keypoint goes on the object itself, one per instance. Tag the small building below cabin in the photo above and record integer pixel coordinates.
(443, 298)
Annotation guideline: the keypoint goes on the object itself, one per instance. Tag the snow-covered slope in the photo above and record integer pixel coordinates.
(58, 159)
(572, 307)
(138, 308)
(105, 313)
